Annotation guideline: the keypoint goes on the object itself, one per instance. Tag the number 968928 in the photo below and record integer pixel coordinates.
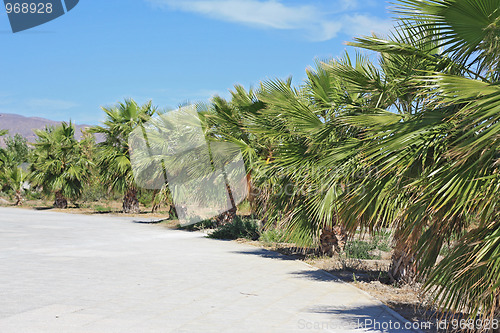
(28, 8)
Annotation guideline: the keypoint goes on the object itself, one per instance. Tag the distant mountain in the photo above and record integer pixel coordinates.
(25, 126)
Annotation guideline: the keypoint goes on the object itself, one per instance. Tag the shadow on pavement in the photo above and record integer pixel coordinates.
(316, 275)
(43, 208)
(267, 254)
(369, 318)
(149, 221)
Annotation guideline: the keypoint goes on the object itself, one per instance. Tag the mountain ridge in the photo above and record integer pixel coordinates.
(25, 126)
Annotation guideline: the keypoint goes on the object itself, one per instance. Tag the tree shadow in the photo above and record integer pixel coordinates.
(420, 315)
(149, 221)
(316, 275)
(267, 254)
(368, 318)
(43, 208)
(102, 212)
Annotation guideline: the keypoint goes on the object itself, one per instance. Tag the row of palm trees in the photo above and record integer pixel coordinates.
(63, 166)
(409, 142)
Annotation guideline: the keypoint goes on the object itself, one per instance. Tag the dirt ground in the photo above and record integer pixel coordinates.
(370, 276)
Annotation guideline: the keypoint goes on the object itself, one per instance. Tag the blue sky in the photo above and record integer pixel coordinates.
(170, 51)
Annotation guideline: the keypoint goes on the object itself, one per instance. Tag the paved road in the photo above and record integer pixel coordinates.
(76, 273)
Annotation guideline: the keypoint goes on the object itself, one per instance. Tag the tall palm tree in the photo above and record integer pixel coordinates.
(58, 164)
(303, 129)
(439, 166)
(229, 121)
(114, 152)
(463, 192)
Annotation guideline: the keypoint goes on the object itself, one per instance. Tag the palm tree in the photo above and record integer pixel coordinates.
(462, 192)
(114, 152)
(13, 179)
(439, 167)
(3, 153)
(302, 126)
(229, 122)
(58, 164)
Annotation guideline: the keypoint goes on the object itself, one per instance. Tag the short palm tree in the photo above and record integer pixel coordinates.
(58, 165)
(3, 153)
(14, 179)
(113, 154)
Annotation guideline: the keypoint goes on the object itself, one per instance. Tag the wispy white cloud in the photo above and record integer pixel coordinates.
(362, 24)
(314, 22)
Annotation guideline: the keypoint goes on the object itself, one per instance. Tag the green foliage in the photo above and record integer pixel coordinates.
(382, 240)
(358, 249)
(13, 178)
(94, 190)
(408, 143)
(33, 195)
(205, 224)
(102, 209)
(272, 236)
(238, 228)
(59, 164)
(18, 149)
(244, 207)
(113, 154)
(367, 249)
(146, 197)
(3, 153)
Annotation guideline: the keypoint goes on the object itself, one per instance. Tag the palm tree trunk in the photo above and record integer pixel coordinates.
(60, 201)
(233, 209)
(332, 240)
(156, 203)
(19, 198)
(251, 197)
(130, 202)
(229, 215)
(403, 268)
(496, 307)
(172, 212)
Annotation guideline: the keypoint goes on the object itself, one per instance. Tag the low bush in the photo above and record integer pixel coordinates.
(238, 228)
(205, 224)
(382, 241)
(272, 236)
(358, 249)
(102, 209)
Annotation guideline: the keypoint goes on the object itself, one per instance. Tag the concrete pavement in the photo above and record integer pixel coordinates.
(77, 273)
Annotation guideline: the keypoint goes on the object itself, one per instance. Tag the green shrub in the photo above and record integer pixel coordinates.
(33, 195)
(358, 249)
(244, 207)
(205, 224)
(272, 236)
(382, 241)
(102, 209)
(239, 228)
(146, 197)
